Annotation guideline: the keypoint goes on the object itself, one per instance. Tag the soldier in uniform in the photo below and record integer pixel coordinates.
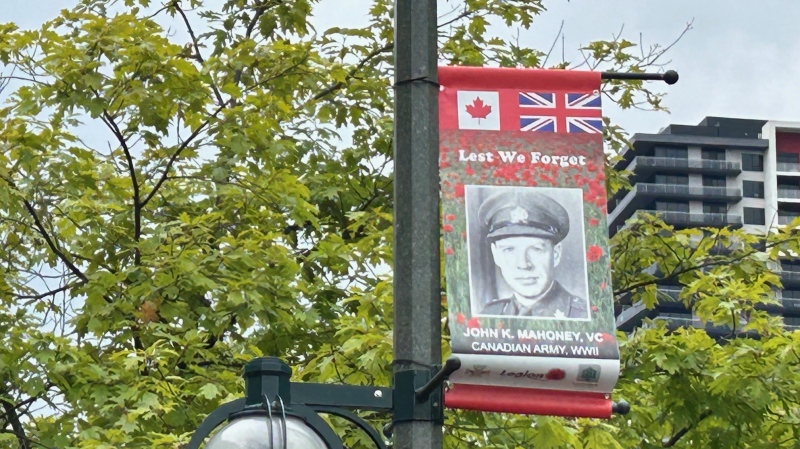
(525, 230)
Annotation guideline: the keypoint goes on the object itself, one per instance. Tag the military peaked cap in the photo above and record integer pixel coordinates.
(522, 212)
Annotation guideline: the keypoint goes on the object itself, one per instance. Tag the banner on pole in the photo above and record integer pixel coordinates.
(525, 237)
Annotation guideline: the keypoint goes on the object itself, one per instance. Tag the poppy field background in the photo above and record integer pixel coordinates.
(455, 174)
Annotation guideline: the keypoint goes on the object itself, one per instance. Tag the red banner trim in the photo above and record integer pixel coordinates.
(503, 77)
(528, 401)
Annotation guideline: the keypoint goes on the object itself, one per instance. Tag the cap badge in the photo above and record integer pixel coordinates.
(519, 215)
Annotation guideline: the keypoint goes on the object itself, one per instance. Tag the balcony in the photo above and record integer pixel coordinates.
(791, 305)
(689, 219)
(790, 277)
(789, 195)
(644, 164)
(679, 191)
(790, 168)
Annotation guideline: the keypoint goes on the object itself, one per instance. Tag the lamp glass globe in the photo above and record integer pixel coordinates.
(253, 432)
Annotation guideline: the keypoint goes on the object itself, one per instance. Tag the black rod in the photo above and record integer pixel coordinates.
(451, 365)
(669, 77)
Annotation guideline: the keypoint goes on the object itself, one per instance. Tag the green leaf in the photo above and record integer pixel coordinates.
(208, 391)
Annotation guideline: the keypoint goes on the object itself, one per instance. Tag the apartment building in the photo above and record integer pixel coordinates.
(732, 172)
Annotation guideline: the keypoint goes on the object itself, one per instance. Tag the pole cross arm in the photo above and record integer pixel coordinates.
(451, 365)
(669, 77)
(351, 397)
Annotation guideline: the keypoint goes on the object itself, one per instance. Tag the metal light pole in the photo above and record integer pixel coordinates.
(417, 291)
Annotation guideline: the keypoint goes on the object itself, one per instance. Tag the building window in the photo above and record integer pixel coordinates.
(713, 154)
(790, 294)
(673, 179)
(680, 153)
(786, 190)
(792, 266)
(715, 208)
(672, 206)
(714, 181)
(754, 216)
(753, 189)
(752, 162)
(790, 158)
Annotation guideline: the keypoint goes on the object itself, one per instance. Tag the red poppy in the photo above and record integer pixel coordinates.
(594, 253)
(447, 228)
(460, 318)
(444, 164)
(469, 170)
(508, 172)
(464, 235)
(555, 374)
(449, 251)
(459, 190)
(593, 222)
(594, 308)
(473, 322)
(547, 179)
(450, 217)
(603, 285)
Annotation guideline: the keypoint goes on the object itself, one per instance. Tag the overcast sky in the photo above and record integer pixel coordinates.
(739, 60)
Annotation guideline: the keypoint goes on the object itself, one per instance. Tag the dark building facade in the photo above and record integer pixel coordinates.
(733, 172)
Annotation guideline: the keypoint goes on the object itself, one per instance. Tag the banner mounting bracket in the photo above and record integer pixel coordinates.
(670, 76)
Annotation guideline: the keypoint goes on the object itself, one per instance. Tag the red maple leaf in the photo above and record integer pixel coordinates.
(478, 109)
(555, 374)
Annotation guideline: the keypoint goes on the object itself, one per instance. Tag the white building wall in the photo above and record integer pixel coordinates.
(769, 132)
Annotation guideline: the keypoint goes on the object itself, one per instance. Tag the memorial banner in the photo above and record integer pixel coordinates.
(525, 237)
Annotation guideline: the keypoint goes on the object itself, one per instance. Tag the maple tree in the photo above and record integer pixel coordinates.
(172, 205)
(478, 109)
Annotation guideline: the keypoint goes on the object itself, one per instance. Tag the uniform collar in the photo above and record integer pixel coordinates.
(536, 302)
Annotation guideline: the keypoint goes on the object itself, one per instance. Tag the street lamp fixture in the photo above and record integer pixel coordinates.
(279, 414)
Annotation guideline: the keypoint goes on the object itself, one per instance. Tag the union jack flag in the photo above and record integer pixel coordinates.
(560, 112)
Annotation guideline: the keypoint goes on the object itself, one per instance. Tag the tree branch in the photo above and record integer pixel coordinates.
(50, 242)
(177, 153)
(560, 30)
(16, 426)
(678, 435)
(464, 14)
(137, 206)
(338, 85)
(677, 273)
(261, 8)
(50, 293)
(196, 45)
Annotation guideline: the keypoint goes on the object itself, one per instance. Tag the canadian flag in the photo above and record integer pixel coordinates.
(478, 110)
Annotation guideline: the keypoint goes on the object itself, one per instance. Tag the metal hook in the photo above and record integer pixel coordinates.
(283, 423)
(269, 420)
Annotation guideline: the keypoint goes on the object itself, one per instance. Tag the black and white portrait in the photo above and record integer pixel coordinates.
(527, 252)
